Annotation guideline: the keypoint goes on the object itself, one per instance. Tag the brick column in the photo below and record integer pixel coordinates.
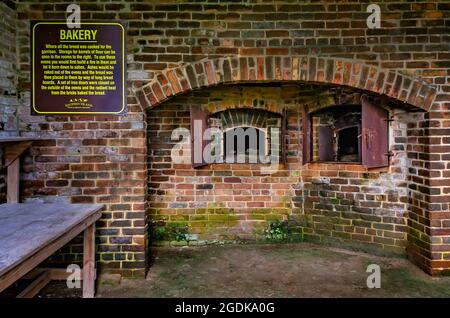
(429, 215)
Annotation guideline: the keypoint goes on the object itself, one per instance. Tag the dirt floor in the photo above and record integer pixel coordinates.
(276, 270)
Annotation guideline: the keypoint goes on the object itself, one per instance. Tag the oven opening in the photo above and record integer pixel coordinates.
(348, 144)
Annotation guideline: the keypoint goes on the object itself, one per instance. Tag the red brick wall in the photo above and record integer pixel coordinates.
(8, 80)
(219, 201)
(102, 159)
(236, 201)
(429, 201)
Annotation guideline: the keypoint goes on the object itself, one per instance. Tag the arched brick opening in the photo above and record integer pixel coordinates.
(247, 117)
(312, 69)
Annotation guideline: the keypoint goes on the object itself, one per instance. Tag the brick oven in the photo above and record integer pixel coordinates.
(355, 118)
(341, 172)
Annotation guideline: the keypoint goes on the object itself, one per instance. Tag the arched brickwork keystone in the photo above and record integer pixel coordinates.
(313, 69)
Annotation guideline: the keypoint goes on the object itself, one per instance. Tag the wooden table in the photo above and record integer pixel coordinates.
(30, 233)
(14, 147)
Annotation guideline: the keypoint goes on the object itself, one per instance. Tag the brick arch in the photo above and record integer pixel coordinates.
(312, 69)
(252, 117)
(265, 104)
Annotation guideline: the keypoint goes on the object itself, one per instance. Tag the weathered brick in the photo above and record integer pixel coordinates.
(195, 45)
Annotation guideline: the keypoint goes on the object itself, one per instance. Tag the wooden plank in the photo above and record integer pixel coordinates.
(37, 273)
(375, 134)
(20, 264)
(13, 150)
(326, 142)
(55, 273)
(284, 137)
(89, 262)
(199, 123)
(306, 135)
(26, 228)
(14, 139)
(40, 282)
(12, 182)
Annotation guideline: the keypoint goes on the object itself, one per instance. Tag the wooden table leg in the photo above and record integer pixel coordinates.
(89, 262)
(12, 181)
(12, 161)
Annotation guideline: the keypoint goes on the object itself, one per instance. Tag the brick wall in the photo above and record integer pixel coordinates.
(236, 201)
(220, 201)
(102, 159)
(8, 80)
(8, 69)
(351, 202)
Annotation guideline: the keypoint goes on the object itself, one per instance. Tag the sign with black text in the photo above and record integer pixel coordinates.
(78, 70)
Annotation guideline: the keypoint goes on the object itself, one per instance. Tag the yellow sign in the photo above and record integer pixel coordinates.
(78, 71)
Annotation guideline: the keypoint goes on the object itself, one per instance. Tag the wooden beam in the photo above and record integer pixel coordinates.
(12, 162)
(40, 282)
(41, 277)
(89, 262)
(55, 273)
(14, 150)
(27, 265)
(12, 182)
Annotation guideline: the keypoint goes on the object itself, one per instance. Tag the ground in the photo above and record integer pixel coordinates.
(271, 270)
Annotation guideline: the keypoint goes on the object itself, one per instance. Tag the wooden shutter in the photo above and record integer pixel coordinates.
(374, 142)
(284, 137)
(199, 123)
(306, 133)
(326, 149)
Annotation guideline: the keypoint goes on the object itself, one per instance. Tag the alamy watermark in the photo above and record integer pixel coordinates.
(374, 19)
(374, 278)
(74, 16)
(74, 278)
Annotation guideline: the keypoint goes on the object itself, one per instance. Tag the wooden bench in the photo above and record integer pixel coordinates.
(30, 233)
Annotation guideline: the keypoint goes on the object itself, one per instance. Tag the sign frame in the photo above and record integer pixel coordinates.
(35, 110)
